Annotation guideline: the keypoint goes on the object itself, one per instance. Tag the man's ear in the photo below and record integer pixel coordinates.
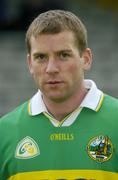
(29, 63)
(87, 59)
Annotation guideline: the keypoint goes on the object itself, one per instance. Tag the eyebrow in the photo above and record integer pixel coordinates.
(56, 52)
(38, 53)
(65, 50)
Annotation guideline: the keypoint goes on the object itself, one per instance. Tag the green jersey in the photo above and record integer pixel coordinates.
(31, 148)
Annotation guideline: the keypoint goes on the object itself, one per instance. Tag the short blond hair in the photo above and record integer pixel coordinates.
(56, 21)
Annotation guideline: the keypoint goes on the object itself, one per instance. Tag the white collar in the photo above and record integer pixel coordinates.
(92, 100)
(94, 97)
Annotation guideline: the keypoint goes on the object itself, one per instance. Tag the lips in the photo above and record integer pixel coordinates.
(54, 83)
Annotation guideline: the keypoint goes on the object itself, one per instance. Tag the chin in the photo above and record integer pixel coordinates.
(57, 99)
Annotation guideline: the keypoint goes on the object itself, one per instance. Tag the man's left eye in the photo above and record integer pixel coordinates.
(64, 55)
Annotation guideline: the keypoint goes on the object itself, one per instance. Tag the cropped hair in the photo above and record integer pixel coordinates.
(54, 22)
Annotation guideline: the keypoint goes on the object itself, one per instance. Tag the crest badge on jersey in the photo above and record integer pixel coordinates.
(100, 148)
(27, 148)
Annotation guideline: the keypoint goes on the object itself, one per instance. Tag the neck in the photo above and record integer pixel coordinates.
(62, 109)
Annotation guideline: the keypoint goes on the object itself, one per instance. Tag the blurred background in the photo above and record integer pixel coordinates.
(101, 20)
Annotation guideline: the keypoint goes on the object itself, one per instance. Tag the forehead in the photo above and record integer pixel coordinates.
(65, 39)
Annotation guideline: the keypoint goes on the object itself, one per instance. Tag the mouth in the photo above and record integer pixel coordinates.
(54, 83)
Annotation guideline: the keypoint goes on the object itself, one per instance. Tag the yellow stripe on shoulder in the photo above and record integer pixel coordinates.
(66, 174)
(100, 102)
(29, 108)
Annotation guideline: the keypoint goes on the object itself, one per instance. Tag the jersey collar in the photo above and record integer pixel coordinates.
(93, 100)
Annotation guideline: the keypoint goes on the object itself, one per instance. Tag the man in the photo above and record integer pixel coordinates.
(68, 130)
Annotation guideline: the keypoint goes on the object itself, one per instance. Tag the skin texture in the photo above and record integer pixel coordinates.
(58, 70)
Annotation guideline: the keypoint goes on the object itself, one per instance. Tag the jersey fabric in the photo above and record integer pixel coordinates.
(32, 148)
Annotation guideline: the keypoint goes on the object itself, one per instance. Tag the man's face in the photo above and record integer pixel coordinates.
(56, 65)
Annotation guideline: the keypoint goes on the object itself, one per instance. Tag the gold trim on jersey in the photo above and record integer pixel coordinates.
(60, 123)
(53, 119)
(100, 102)
(29, 108)
(66, 174)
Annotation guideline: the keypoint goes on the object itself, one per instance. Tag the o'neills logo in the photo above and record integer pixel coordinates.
(27, 148)
(62, 137)
(100, 148)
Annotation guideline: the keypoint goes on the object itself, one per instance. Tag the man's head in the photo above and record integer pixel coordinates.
(58, 55)
(54, 22)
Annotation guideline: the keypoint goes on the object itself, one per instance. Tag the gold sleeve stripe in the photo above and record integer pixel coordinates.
(66, 174)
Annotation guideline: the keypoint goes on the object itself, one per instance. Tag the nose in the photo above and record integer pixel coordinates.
(52, 66)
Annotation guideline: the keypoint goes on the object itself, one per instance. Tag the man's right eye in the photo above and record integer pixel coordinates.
(40, 57)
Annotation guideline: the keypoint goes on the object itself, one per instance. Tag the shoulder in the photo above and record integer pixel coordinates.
(109, 106)
(13, 116)
(110, 101)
